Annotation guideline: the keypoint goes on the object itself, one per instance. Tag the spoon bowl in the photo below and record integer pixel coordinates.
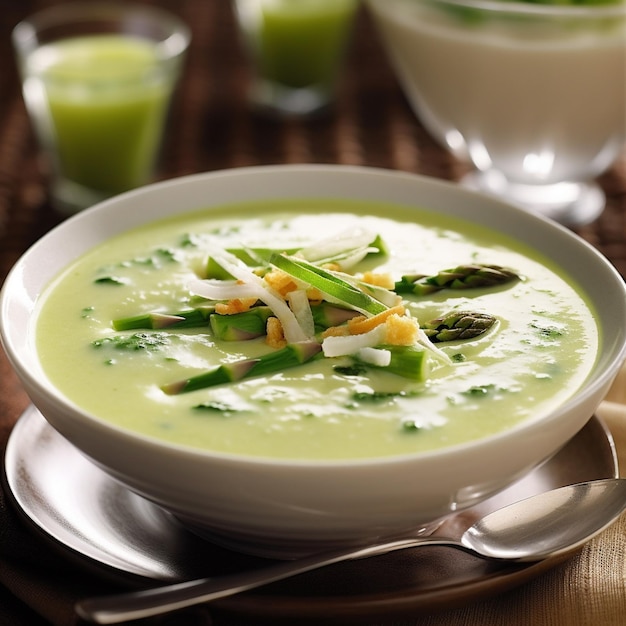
(533, 529)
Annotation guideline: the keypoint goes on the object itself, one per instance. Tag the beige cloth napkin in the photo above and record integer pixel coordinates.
(588, 590)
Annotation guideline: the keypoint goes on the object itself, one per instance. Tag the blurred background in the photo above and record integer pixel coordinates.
(211, 125)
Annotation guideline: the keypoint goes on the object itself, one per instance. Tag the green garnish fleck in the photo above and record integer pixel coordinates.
(377, 396)
(136, 341)
(111, 280)
(479, 390)
(216, 407)
(350, 370)
(410, 426)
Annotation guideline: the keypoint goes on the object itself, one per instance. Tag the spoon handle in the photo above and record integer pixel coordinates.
(114, 609)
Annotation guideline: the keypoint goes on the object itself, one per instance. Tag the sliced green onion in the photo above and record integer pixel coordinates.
(329, 284)
(252, 257)
(387, 296)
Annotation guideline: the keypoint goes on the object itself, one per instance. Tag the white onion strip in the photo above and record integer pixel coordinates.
(301, 308)
(337, 244)
(374, 356)
(350, 344)
(424, 341)
(215, 289)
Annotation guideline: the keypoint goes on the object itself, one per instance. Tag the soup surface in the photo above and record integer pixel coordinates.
(541, 346)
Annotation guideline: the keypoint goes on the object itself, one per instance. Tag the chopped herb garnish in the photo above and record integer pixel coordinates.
(111, 280)
(168, 254)
(137, 341)
(410, 426)
(377, 396)
(189, 240)
(216, 407)
(350, 370)
(479, 390)
(548, 331)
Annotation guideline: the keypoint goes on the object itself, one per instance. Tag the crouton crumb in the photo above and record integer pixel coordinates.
(280, 281)
(362, 324)
(401, 330)
(379, 280)
(236, 305)
(275, 336)
(336, 331)
(314, 295)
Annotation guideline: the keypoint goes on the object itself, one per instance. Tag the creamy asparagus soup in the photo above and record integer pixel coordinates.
(315, 330)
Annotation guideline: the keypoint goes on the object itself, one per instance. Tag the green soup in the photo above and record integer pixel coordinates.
(541, 347)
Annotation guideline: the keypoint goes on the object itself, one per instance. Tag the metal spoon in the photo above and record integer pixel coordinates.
(546, 525)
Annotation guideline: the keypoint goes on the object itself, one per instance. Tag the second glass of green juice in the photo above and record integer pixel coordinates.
(296, 48)
(97, 83)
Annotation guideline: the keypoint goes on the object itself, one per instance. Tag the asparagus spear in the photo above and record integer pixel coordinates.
(325, 315)
(241, 326)
(252, 323)
(407, 361)
(458, 325)
(183, 319)
(461, 277)
(291, 355)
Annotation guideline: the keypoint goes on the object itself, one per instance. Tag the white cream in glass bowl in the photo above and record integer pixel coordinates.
(360, 452)
(532, 94)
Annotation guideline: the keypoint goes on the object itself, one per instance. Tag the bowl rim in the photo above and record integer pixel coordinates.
(506, 211)
(524, 7)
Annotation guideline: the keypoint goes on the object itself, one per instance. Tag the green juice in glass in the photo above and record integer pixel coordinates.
(297, 47)
(301, 41)
(101, 109)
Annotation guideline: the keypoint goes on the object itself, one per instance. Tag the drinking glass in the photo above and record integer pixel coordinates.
(296, 49)
(97, 80)
(532, 94)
